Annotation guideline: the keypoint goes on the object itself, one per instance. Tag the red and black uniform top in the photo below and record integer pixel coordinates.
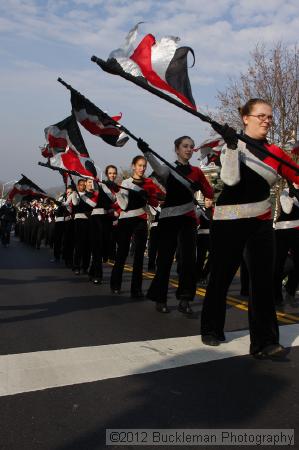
(179, 199)
(289, 216)
(248, 175)
(133, 202)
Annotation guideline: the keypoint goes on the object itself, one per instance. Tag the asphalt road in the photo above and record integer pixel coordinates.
(76, 360)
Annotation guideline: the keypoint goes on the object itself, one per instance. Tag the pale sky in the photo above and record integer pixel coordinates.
(44, 39)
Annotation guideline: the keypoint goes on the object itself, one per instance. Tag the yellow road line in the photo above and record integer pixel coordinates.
(235, 302)
(283, 317)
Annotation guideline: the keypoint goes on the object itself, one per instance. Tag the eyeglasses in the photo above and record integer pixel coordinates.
(262, 117)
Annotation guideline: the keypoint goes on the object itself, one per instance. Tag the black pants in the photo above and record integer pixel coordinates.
(59, 229)
(47, 233)
(293, 282)
(21, 231)
(286, 240)
(112, 242)
(33, 232)
(68, 242)
(99, 227)
(17, 229)
(244, 275)
(50, 234)
(174, 230)
(202, 264)
(153, 247)
(228, 240)
(28, 227)
(82, 249)
(5, 231)
(40, 232)
(126, 229)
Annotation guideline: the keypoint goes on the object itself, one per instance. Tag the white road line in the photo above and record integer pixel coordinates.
(27, 372)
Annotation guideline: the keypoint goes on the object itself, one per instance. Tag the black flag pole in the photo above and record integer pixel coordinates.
(77, 174)
(33, 184)
(116, 70)
(70, 172)
(122, 128)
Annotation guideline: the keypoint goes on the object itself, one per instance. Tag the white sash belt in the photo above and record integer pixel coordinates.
(176, 210)
(80, 216)
(203, 231)
(285, 224)
(132, 213)
(241, 211)
(97, 211)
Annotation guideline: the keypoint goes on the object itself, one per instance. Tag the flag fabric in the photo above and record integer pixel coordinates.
(159, 63)
(70, 160)
(46, 151)
(96, 121)
(25, 188)
(209, 151)
(65, 134)
(66, 148)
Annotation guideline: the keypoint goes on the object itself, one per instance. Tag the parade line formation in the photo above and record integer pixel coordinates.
(95, 221)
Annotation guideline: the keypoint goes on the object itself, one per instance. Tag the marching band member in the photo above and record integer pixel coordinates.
(82, 203)
(62, 229)
(205, 216)
(287, 239)
(100, 230)
(242, 218)
(111, 175)
(177, 222)
(153, 238)
(133, 221)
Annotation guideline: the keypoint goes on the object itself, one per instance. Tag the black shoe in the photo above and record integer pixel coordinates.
(162, 308)
(137, 294)
(244, 293)
(271, 351)
(184, 307)
(77, 271)
(115, 290)
(221, 337)
(97, 281)
(209, 339)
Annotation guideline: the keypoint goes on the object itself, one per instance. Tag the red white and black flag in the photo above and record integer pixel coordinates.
(25, 188)
(63, 134)
(66, 148)
(209, 151)
(96, 121)
(159, 63)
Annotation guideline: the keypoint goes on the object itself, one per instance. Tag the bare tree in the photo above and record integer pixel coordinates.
(274, 76)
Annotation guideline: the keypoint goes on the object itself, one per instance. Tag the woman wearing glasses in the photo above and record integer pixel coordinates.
(242, 218)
